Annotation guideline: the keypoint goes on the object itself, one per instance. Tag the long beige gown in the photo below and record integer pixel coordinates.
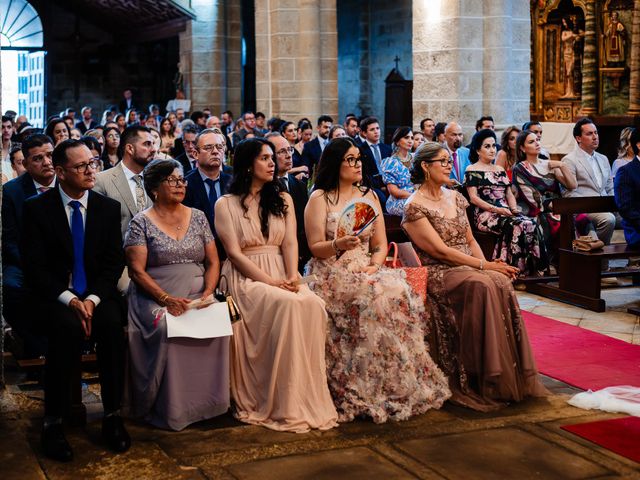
(278, 369)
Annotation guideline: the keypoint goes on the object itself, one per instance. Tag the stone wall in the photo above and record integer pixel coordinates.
(471, 58)
(296, 52)
(87, 65)
(210, 56)
(370, 35)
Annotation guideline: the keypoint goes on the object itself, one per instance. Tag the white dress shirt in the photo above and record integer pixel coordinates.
(66, 296)
(131, 182)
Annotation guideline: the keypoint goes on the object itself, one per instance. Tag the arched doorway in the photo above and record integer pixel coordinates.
(23, 70)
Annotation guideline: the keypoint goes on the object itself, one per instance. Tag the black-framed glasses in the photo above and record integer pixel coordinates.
(86, 166)
(174, 182)
(353, 161)
(221, 147)
(444, 162)
(284, 151)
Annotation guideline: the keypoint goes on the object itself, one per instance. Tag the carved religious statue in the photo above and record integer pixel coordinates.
(568, 37)
(614, 40)
(178, 82)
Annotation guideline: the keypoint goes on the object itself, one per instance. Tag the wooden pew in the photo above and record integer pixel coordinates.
(580, 273)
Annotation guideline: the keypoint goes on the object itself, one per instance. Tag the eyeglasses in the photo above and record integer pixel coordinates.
(174, 182)
(444, 162)
(285, 151)
(221, 147)
(112, 136)
(85, 167)
(353, 161)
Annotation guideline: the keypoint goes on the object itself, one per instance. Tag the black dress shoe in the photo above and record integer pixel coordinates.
(55, 445)
(115, 434)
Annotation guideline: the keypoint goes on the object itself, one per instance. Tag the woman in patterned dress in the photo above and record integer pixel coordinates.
(537, 182)
(521, 243)
(477, 334)
(395, 171)
(377, 362)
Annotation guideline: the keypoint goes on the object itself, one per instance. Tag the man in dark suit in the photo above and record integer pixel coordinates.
(372, 152)
(38, 178)
(297, 189)
(184, 148)
(86, 122)
(207, 182)
(627, 193)
(313, 150)
(127, 103)
(73, 257)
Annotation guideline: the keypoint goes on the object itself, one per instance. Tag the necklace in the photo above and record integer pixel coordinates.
(429, 198)
(163, 217)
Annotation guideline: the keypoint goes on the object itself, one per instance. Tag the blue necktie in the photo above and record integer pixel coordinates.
(78, 277)
(213, 195)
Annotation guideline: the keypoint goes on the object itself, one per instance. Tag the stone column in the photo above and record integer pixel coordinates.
(233, 59)
(589, 62)
(210, 55)
(296, 58)
(471, 58)
(634, 79)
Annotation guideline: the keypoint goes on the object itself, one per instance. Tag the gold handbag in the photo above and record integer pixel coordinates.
(223, 295)
(587, 243)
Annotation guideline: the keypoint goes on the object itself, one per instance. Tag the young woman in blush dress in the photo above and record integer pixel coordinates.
(278, 373)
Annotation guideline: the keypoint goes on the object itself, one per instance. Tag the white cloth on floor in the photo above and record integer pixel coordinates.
(620, 399)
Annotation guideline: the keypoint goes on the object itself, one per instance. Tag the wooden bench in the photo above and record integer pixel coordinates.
(580, 273)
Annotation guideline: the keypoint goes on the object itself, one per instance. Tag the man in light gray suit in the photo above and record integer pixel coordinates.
(593, 174)
(124, 182)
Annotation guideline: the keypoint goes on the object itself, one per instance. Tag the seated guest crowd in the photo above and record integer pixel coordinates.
(97, 236)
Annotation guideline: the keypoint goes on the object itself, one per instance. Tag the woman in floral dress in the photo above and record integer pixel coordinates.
(520, 243)
(395, 171)
(377, 361)
(538, 182)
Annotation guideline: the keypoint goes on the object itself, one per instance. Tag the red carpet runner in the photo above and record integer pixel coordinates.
(621, 435)
(582, 358)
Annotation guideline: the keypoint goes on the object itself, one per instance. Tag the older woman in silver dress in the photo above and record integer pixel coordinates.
(172, 260)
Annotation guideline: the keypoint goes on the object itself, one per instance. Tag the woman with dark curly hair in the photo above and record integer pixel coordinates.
(278, 375)
(377, 362)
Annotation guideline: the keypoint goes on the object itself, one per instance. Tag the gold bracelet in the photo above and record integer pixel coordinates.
(334, 245)
(163, 297)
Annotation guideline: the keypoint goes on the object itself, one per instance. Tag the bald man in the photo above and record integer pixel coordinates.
(459, 155)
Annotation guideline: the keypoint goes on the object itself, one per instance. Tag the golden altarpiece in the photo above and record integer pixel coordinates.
(586, 61)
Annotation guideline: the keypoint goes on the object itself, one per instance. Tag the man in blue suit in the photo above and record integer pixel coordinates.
(372, 152)
(207, 182)
(313, 150)
(38, 178)
(627, 193)
(459, 154)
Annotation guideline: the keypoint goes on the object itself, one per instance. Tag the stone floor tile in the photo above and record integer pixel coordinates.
(564, 311)
(609, 325)
(192, 442)
(17, 460)
(352, 463)
(91, 460)
(502, 453)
